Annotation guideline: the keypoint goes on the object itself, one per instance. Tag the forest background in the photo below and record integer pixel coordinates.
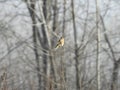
(89, 59)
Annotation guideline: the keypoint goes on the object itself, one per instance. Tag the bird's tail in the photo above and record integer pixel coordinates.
(57, 46)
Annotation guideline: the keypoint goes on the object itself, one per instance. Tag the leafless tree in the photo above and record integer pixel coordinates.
(76, 47)
(98, 46)
(30, 29)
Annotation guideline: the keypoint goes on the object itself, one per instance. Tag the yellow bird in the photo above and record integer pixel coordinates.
(60, 43)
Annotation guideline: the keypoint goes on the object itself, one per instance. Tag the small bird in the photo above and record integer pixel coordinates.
(60, 43)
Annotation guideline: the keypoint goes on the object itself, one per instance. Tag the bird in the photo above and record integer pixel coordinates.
(60, 43)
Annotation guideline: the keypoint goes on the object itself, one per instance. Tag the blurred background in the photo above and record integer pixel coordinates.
(30, 30)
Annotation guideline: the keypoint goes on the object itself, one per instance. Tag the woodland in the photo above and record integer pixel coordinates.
(87, 59)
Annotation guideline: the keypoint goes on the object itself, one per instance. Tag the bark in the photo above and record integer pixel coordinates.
(76, 47)
(55, 15)
(98, 47)
(31, 9)
(44, 43)
(115, 73)
(52, 58)
(64, 16)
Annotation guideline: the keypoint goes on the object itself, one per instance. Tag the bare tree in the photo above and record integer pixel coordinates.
(75, 47)
(116, 62)
(31, 60)
(98, 47)
(31, 8)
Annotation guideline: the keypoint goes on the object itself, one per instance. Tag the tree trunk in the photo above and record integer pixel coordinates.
(31, 9)
(116, 63)
(76, 48)
(98, 47)
(115, 75)
(44, 44)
